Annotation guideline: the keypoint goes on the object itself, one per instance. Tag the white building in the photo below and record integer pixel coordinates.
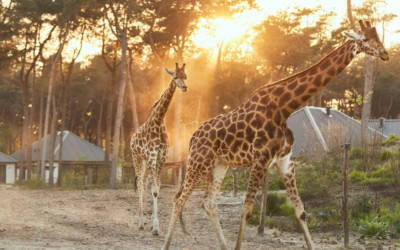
(75, 152)
(7, 169)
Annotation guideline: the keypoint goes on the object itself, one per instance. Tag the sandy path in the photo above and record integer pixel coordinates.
(106, 219)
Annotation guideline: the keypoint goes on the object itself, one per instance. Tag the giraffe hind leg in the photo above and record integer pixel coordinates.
(192, 178)
(286, 169)
(257, 174)
(210, 203)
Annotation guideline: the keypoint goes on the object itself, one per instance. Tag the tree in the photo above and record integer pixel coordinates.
(121, 13)
(369, 11)
(29, 19)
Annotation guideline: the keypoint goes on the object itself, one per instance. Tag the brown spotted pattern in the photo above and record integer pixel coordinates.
(255, 135)
(149, 145)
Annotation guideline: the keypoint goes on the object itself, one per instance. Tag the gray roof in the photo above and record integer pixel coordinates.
(6, 159)
(75, 149)
(390, 126)
(316, 133)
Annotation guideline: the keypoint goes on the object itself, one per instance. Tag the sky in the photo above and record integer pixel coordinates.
(211, 32)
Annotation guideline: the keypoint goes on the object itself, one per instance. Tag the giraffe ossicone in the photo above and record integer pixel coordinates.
(149, 146)
(256, 135)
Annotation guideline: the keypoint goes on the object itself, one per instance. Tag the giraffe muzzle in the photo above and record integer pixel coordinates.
(184, 88)
(385, 56)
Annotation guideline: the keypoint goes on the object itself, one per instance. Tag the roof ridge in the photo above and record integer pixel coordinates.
(8, 157)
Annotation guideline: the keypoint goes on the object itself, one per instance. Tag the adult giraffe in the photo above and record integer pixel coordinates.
(150, 142)
(255, 134)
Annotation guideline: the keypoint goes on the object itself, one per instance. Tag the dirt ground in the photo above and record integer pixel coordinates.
(107, 219)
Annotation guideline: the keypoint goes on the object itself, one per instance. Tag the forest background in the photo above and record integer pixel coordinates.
(96, 67)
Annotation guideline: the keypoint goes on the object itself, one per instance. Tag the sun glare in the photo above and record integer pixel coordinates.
(211, 33)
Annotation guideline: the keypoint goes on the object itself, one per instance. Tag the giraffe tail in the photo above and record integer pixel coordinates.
(182, 222)
(135, 184)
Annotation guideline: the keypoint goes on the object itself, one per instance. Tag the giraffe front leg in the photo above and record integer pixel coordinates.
(286, 169)
(256, 176)
(155, 189)
(141, 192)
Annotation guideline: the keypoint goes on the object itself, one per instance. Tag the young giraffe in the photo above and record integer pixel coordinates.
(255, 134)
(150, 142)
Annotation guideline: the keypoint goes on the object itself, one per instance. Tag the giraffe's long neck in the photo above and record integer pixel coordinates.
(161, 106)
(294, 91)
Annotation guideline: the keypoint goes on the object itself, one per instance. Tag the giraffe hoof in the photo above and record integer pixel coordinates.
(155, 233)
(141, 227)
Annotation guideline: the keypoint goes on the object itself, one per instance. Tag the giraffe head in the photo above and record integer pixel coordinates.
(179, 76)
(367, 41)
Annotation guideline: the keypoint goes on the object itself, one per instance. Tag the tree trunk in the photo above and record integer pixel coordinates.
(52, 141)
(367, 99)
(368, 85)
(100, 120)
(132, 99)
(118, 119)
(109, 116)
(48, 102)
(40, 133)
(235, 186)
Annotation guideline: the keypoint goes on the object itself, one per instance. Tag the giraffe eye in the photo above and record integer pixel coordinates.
(175, 77)
(365, 40)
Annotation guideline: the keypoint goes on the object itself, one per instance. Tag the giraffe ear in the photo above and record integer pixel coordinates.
(353, 36)
(169, 72)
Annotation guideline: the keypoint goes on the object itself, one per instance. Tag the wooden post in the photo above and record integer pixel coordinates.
(235, 174)
(345, 195)
(263, 211)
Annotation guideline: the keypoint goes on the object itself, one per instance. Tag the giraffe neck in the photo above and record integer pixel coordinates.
(161, 106)
(292, 92)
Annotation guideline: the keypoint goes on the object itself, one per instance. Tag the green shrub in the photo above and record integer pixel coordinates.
(381, 173)
(276, 184)
(392, 218)
(356, 176)
(36, 182)
(314, 224)
(287, 210)
(356, 164)
(388, 154)
(364, 204)
(392, 140)
(274, 202)
(373, 227)
(73, 179)
(227, 183)
(375, 180)
(356, 153)
(255, 215)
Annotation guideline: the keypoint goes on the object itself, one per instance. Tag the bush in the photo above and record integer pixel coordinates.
(372, 181)
(357, 176)
(287, 210)
(274, 202)
(388, 154)
(73, 179)
(36, 182)
(356, 153)
(276, 184)
(227, 183)
(364, 204)
(393, 219)
(392, 140)
(373, 227)
(382, 173)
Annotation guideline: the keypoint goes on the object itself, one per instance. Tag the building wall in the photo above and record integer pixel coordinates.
(10, 173)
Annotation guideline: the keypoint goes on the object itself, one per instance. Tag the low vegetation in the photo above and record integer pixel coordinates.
(374, 207)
